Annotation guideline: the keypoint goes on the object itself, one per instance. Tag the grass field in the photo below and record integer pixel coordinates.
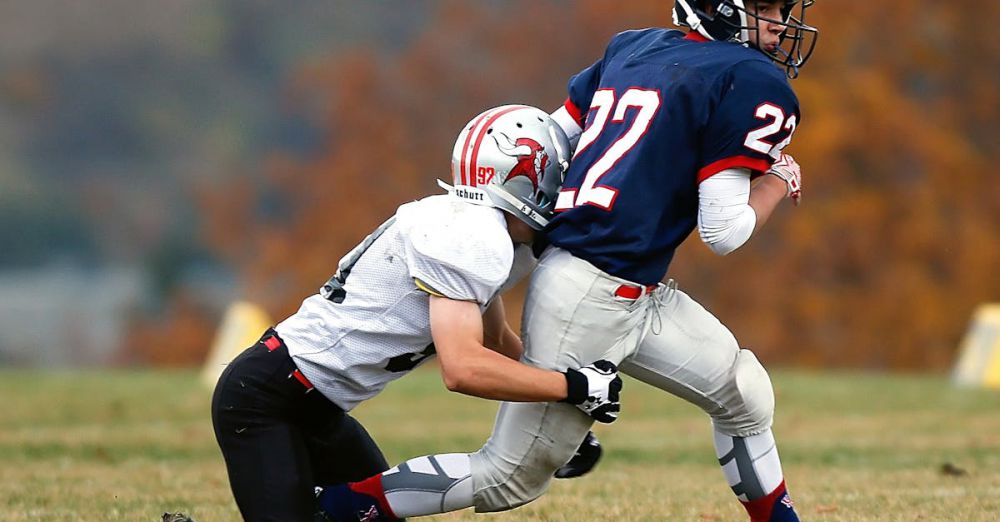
(129, 445)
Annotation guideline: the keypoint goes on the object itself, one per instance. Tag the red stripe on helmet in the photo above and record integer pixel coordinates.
(466, 178)
(481, 135)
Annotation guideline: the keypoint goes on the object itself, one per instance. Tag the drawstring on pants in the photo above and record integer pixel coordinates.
(662, 294)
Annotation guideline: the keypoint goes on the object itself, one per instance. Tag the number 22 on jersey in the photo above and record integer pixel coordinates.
(591, 192)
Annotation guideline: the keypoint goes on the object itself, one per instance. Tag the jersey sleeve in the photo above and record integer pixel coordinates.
(753, 120)
(581, 92)
(449, 261)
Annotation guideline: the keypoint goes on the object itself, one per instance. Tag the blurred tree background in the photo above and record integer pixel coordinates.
(237, 149)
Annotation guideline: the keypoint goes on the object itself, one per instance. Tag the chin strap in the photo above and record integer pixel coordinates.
(691, 19)
(480, 196)
(539, 220)
(447, 188)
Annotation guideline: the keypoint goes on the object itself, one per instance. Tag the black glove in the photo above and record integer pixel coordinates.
(595, 389)
(584, 460)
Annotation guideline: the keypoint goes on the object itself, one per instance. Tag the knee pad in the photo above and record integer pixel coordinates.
(748, 408)
(501, 484)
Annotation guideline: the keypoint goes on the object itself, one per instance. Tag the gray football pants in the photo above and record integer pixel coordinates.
(572, 317)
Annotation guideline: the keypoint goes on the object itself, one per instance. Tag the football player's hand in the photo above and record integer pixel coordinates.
(595, 389)
(583, 460)
(789, 171)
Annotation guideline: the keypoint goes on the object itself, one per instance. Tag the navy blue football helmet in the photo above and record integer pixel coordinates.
(726, 21)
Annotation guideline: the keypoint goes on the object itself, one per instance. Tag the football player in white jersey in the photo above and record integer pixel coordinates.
(426, 282)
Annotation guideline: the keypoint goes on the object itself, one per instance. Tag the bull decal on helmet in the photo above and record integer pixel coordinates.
(531, 158)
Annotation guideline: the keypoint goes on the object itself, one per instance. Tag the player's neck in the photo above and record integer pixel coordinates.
(520, 232)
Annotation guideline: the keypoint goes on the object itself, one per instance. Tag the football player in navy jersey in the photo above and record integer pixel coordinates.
(672, 132)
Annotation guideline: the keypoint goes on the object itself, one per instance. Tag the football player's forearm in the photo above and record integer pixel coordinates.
(510, 345)
(507, 344)
(490, 375)
(494, 325)
(469, 367)
(497, 334)
(765, 195)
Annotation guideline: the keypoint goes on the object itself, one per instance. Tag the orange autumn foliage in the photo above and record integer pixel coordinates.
(897, 240)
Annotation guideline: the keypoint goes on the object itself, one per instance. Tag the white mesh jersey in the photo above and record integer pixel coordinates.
(371, 324)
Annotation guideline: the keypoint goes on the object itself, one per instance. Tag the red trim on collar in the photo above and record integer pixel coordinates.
(695, 36)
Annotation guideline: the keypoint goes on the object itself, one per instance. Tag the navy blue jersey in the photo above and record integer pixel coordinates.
(662, 112)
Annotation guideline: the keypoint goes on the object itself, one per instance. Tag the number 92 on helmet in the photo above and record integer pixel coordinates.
(513, 158)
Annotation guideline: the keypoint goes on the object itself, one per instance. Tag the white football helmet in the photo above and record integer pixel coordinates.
(513, 158)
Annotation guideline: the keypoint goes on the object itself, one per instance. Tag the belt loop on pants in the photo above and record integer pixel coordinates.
(633, 291)
(302, 380)
(272, 342)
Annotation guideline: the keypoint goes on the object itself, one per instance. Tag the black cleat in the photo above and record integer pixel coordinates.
(583, 461)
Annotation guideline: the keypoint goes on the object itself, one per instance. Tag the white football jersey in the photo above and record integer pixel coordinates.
(370, 324)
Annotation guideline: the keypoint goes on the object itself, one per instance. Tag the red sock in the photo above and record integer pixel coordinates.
(760, 509)
(372, 486)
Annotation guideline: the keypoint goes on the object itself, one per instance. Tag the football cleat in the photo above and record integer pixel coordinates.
(584, 460)
(176, 517)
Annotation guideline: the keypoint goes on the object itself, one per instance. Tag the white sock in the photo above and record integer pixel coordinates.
(429, 485)
(751, 464)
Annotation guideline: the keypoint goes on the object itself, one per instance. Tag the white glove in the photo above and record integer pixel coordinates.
(789, 171)
(595, 390)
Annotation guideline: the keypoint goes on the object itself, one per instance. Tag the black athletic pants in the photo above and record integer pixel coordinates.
(280, 439)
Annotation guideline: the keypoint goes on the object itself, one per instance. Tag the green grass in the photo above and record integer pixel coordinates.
(108, 445)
